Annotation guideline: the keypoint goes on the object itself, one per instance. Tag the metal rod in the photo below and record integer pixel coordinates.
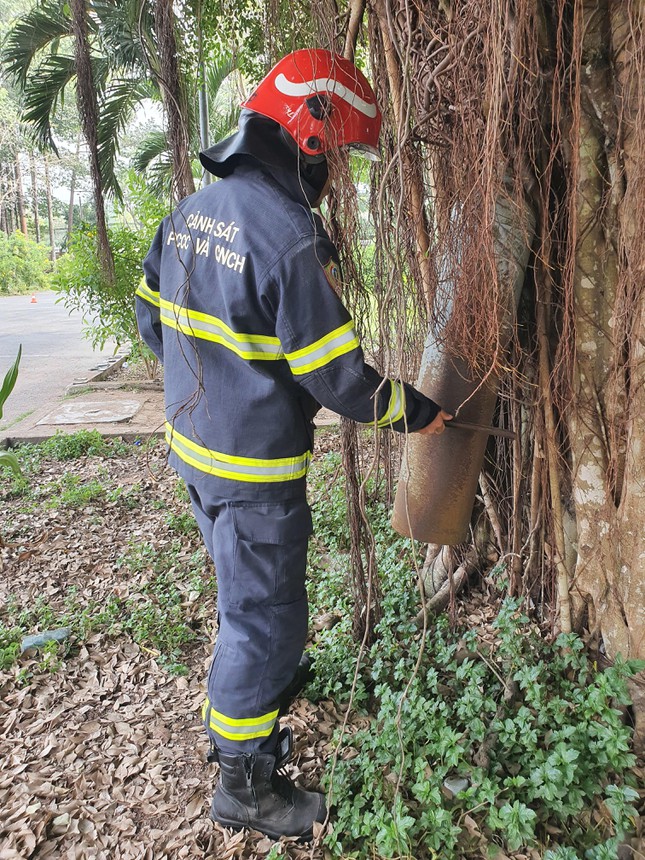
(458, 424)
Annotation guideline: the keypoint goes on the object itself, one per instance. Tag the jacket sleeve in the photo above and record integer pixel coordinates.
(324, 353)
(148, 302)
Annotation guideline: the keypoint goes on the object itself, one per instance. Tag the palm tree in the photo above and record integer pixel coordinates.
(102, 48)
(153, 158)
(174, 98)
(88, 110)
(39, 55)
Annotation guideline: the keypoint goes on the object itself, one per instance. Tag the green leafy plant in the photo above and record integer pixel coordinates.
(108, 310)
(531, 726)
(83, 443)
(532, 729)
(7, 458)
(183, 523)
(73, 492)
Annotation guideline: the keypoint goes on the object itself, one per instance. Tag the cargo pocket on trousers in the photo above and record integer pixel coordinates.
(270, 552)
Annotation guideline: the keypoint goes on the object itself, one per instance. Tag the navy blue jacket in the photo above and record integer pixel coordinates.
(239, 303)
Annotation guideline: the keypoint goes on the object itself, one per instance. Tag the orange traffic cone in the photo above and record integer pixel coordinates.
(34, 300)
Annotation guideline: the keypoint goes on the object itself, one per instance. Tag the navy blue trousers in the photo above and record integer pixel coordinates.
(260, 555)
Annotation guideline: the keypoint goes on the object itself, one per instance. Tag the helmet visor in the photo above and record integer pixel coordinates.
(364, 150)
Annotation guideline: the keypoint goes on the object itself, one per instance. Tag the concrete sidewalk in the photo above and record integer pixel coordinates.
(128, 409)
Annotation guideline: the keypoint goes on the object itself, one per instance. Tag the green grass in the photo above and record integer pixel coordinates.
(7, 425)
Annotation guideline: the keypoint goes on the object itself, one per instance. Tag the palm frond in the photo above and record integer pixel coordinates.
(45, 24)
(224, 112)
(116, 109)
(126, 31)
(44, 89)
(216, 74)
(153, 146)
(153, 160)
(224, 124)
(102, 72)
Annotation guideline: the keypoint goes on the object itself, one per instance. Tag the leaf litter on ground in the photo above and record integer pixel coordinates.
(103, 749)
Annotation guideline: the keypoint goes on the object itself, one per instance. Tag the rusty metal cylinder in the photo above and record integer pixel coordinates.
(439, 474)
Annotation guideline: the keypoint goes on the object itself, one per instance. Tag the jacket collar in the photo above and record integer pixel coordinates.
(261, 140)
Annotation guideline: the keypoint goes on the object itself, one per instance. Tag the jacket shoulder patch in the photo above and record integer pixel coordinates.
(332, 273)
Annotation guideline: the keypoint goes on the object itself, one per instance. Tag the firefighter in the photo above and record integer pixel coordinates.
(240, 303)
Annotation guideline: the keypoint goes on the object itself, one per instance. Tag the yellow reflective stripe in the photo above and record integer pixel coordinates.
(338, 342)
(236, 468)
(396, 406)
(207, 327)
(238, 729)
(144, 292)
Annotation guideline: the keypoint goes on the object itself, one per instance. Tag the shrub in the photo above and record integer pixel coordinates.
(71, 446)
(531, 728)
(108, 309)
(24, 265)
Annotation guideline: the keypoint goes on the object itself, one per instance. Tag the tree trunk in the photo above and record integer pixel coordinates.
(70, 209)
(607, 422)
(89, 114)
(72, 190)
(174, 99)
(11, 199)
(34, 194)
(20, 197)
(50, 210)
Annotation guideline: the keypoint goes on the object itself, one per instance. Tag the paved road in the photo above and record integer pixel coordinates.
(54, 352)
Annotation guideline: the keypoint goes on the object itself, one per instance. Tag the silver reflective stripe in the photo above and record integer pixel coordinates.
(396, 406)
(338, 342)
(243, 732)
(238, 729)
(207, 327)
(237, 468)
(144, 292)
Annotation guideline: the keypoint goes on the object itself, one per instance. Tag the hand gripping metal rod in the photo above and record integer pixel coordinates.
(458, 424)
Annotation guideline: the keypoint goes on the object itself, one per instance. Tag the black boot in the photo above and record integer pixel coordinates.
(252, 793)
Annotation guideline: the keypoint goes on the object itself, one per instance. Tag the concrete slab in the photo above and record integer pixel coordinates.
(146, 421)
(92, 411)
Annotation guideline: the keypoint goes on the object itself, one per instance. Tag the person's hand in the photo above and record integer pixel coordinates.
(437, 425)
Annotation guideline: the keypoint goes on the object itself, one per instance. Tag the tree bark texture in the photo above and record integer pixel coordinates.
(607, 423)
(34, 195)
(89, 113)
(20, 196)
(554, 95)
(50, 210)
(174, 99)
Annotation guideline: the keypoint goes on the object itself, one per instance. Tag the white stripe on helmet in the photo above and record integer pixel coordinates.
(324, 85)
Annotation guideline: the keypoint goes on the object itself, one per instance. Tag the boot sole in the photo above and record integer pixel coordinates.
(237, 826)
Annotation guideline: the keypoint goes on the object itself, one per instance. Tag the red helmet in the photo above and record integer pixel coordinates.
(322, 100)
